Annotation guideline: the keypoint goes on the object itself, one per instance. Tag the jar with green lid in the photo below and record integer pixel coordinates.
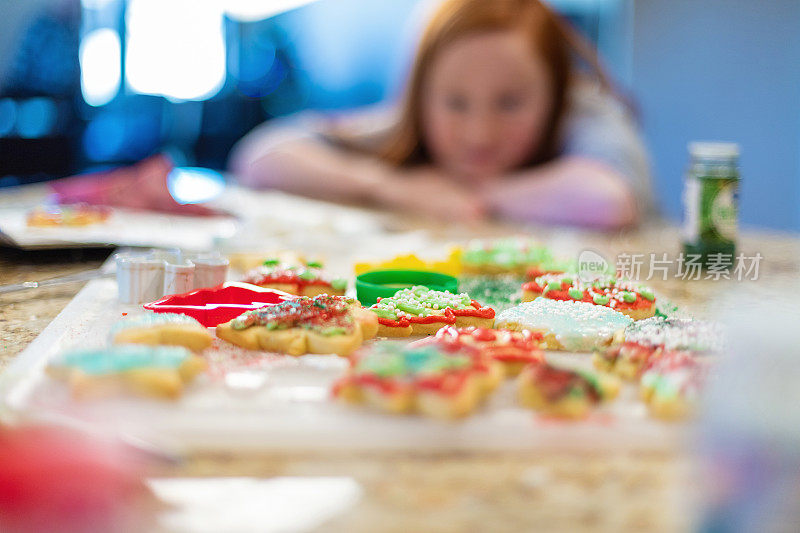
(710, 201)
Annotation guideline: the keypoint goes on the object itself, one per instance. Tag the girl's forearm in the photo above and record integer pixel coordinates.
(310, 167)
(569, 190)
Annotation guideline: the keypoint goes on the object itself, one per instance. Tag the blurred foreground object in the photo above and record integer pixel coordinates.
(751, 438)
(56, 480)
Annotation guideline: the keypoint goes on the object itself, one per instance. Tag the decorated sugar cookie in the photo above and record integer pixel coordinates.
(562, 392)
(322, 324)
(161, 329)
(672, 384)
(514, 349)
(685, 334)
(566, 325)
(631, 299)
(645, 341)
(422, 311)
(160, 371)
(626, 359)
(304, 279)
(516, 255)
(430, 380)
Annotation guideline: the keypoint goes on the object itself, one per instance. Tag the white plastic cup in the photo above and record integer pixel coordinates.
(140, 277)
(209, 270)
(178, 278)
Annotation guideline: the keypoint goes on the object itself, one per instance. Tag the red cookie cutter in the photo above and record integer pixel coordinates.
(219, 304)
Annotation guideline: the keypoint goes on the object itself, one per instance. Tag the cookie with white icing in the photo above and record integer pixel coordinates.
(566, 325)
(646, 340)
(685, 334)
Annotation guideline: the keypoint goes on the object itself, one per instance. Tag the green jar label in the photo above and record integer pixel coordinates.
(710, 211)
(722, 213)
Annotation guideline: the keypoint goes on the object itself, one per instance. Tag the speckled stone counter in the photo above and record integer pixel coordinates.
(24, 314)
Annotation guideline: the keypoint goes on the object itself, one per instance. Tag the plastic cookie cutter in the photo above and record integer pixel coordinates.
(370, 286)
(143, 276)
(213, 306)
(450, 266)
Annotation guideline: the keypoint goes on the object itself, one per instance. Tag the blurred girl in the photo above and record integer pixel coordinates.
(507, 112)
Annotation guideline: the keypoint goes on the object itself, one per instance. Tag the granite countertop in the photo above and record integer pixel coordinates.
(456, 491)
(24, 314)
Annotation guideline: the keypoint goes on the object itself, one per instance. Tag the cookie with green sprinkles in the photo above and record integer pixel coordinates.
(498, 292)
(511, 255)
(422, 311)
(627, 297)
(303, 279)
(323, 324)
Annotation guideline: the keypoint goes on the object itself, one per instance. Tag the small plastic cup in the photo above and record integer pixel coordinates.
(140, 277)
(210, 270)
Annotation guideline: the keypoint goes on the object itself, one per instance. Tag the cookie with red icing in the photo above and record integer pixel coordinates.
(626, 359)
(323, 324)
(422, 311)
(672, 384)
(562, 392)
(303, 279)
(631, 299)
(513, 349)
(433, 380)
(646, 340)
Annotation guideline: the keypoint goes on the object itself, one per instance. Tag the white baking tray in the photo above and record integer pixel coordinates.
(293, 410)
(262, 219)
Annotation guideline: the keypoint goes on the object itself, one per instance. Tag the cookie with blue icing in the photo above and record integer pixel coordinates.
(157, 329)
(160, 371)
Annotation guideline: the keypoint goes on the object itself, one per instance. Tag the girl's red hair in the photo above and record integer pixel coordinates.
(551, 37)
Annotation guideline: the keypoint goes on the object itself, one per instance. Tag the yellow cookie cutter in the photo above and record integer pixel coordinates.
(450, 266)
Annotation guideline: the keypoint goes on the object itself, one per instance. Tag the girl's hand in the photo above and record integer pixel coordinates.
(569, 190)
(428, 192)
(141, 186)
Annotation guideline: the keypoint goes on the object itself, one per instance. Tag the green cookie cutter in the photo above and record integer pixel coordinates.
(385, 283)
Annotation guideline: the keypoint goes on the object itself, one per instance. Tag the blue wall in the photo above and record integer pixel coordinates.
(353, 52)
(723, 70)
